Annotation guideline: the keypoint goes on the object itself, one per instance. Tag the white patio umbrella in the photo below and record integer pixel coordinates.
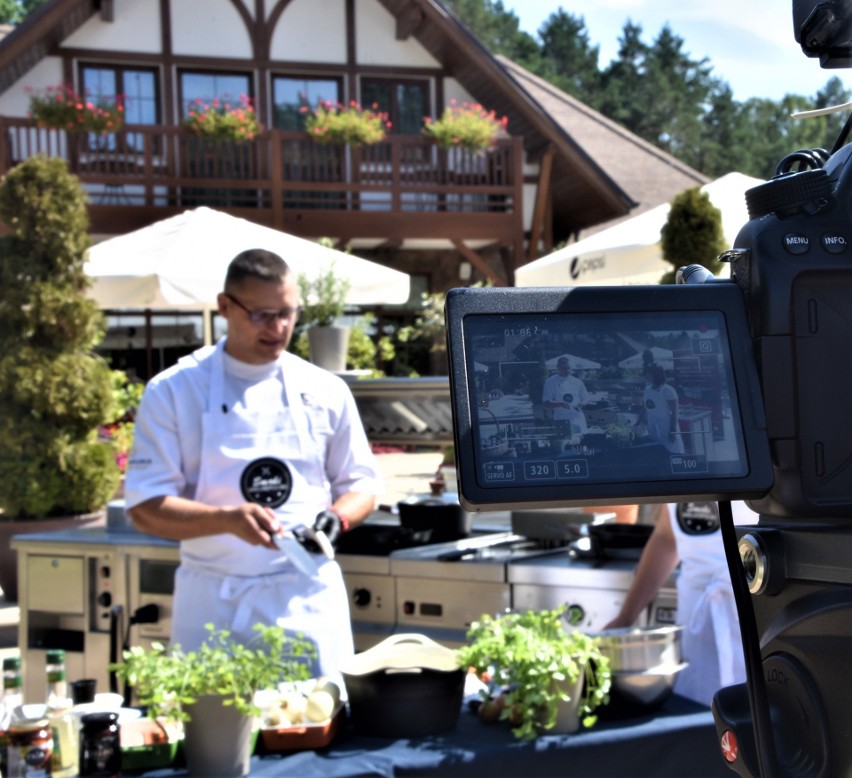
(662, 357)
(630, 251)
(180, 263)
(576, 363)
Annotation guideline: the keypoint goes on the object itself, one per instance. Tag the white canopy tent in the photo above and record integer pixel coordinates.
(630, 252)
(179, 263)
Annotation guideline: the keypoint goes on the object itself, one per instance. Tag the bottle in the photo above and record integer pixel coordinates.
(65, 759)
(13, 698)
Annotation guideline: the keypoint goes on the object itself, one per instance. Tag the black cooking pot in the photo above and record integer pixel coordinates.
(617, 541)
(407, 686)
(445, 521)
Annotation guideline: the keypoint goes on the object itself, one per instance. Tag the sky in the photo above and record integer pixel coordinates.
(749, 43)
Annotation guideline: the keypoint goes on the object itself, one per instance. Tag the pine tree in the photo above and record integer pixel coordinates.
(54, 391)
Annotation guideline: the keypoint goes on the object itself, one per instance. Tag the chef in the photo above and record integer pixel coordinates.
(256, 461)
(564, 395)
(689, 534)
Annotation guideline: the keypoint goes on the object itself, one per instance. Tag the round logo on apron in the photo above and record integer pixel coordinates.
(267, 482)
(698, 518)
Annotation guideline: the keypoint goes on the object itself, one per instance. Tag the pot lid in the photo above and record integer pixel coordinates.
(402, 652)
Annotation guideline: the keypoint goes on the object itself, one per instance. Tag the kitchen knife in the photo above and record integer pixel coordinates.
(295, 552)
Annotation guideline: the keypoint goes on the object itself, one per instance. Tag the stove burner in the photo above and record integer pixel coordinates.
(379, 540)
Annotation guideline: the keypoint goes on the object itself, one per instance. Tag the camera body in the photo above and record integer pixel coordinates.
(789, 334)
(793, 261)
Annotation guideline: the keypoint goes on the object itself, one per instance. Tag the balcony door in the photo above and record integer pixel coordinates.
(405, 102)
(223, 161)
(304, 162)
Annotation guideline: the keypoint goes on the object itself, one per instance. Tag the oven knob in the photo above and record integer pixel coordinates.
(105, 599)
(361, 597)
(575, 614)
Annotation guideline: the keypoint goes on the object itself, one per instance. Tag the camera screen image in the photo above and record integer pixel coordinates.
(579, 403)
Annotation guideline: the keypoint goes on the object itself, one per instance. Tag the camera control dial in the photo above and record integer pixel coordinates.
(808, 192)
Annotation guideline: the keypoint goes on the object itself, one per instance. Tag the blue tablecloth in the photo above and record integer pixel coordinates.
(677, 740)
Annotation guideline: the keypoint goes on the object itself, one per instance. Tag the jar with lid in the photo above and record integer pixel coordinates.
(30, 748)
(100, 745)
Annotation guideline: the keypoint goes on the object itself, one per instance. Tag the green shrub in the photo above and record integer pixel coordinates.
(54, 391)
(692, 234)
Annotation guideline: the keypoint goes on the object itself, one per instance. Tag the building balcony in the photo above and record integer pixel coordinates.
(400, 189)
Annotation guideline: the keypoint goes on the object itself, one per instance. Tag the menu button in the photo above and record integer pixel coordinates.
(834, 242)
(796, 243)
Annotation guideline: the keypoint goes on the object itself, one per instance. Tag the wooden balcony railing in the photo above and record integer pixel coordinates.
(281, 173)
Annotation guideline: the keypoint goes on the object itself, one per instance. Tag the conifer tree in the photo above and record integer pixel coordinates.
(692, 234)
(55, 392)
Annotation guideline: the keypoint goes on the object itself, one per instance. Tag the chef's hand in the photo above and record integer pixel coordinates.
(256, 524)
(329, 523)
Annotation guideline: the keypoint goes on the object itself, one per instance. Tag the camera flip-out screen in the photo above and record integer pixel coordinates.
(592, 394)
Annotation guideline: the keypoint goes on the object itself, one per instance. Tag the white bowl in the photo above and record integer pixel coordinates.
(109, 701)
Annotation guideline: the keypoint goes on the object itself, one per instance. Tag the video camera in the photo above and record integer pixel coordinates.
(763, 361)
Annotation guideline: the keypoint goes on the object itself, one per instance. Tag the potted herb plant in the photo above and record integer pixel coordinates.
(212, 690)
(543, 675)
(323, 303)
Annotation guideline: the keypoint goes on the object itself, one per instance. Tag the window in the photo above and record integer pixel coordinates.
(405, 102)
(291, 93)
(207, 87)
(139, 87)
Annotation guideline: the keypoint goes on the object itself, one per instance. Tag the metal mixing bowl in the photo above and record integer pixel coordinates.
(637, 694)
(637, 649)
(647, 689)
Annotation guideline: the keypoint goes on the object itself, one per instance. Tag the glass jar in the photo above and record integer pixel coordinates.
(29, 748)
(100, 745)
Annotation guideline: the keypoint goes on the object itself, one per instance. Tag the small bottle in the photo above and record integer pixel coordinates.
(63, 724)
(13, 698)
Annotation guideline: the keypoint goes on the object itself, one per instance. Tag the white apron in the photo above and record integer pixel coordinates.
(706, 608)
(227, 582)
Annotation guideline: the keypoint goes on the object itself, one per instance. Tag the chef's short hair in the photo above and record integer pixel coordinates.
(256, 263)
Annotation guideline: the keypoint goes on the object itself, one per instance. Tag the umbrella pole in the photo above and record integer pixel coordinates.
(207, 318)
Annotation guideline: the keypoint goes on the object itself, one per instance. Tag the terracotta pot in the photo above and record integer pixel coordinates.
(9, 556)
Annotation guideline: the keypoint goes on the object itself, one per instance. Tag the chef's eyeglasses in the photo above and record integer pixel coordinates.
(265, 316)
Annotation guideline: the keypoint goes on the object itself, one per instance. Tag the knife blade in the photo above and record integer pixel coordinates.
(321, 539)
(294, 551)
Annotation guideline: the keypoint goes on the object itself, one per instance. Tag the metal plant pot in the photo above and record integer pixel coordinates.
(328, 347)
(217, 739)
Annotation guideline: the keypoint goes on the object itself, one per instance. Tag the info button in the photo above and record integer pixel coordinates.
(834, 242)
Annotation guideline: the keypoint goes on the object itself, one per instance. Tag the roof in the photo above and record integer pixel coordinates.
(39, 35)
(601, 171)
(646, 173)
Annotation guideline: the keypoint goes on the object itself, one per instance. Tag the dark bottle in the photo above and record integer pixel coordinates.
(100, 745)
